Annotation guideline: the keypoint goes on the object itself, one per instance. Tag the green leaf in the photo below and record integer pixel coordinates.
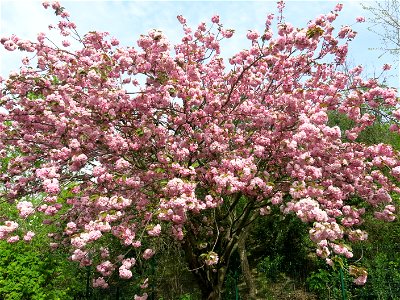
(314, 31)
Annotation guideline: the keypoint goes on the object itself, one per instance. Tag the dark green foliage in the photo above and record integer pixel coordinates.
(233, 278)
(383, 280)
(231, 285)
(326, 283)
(281, 244)
(381, 255)
(271, 267)
(169, 275)
(377, 133)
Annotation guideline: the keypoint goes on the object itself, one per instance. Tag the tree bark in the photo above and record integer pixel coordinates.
(211, 279)
(216, 292)
(248, 278)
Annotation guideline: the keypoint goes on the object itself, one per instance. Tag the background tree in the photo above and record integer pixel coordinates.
(385, 17)
(36, 269)
(123, 147)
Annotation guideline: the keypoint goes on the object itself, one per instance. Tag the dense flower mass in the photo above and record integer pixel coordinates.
(138, 143)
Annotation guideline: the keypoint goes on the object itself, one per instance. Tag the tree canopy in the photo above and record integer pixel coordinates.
(122, 147)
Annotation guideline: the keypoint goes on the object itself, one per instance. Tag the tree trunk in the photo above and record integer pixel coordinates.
(248, 278)
(210, 282)
(211, 279)
(216, 292)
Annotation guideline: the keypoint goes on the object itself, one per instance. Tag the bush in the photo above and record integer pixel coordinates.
(326, 284)
(28, 272)
(271, 267)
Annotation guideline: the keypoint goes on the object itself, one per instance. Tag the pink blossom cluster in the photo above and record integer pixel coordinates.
(28, 236)
(84, 238)
(148, 253)
(308, 210)
(106, 268)
(360, 274)
(211, 258)
(8, 228)
(143, 297)
(326, 231)
(155, 231)
(81, 256)
(388, 214)
(124, 269)
(358, 235)
(51, 186)
(127, 234)
(25, 209)
(360, 19)
(100, 282)
(342, 249)
(351, 216)
(182, 198)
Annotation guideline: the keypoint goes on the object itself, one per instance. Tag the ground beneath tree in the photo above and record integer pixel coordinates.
(285, 288)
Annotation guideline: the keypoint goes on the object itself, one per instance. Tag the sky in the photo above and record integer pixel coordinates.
(126, 20)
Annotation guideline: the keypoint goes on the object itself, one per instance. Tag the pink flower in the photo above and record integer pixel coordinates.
(155, 231)
(100, 282)
(215, 19)
(265, 210)
(81, 159)
(148, 253)
(104, 252)
(105, 268)
(55, 5)
(331, 17)
(360, 274)
(361, 280)
(386, 67)
(71, 225)
(28, 236)
(252, 35)
(281, 5)
(124, 273)
(143, 297)
(396, 172)
(51, 186)
(50, 172)
(136, 244)
(329, 262)
(277, 198)
(360, 19)
(114, 42)
(121, 164)
(338, 7)
(181, 19)
(13, 239)
(10, 45)
(211, 258)
(129, 262)
(74, 144)
(25, 209)
(7, 228)
(78, 255)
(25, 61)
(227, 33)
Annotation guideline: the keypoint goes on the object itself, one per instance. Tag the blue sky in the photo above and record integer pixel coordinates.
(126, 20)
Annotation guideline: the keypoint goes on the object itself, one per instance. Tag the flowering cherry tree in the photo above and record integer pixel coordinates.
(140, 143)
